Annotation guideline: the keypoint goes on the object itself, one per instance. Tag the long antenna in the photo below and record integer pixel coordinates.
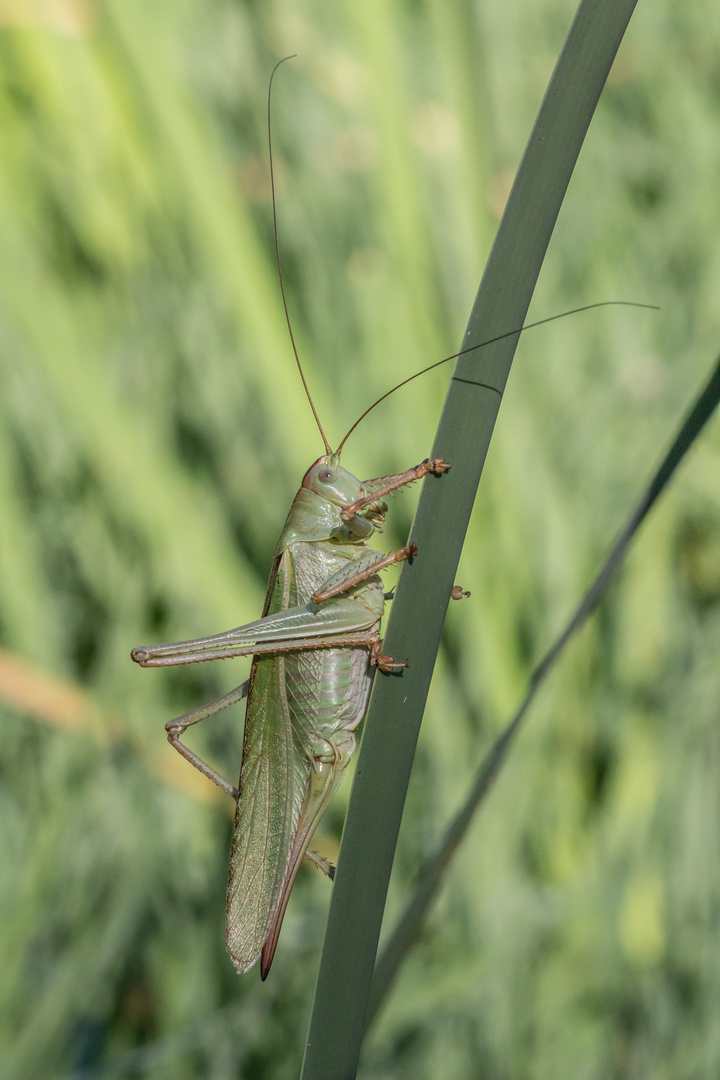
(508, 333)
(277, 259)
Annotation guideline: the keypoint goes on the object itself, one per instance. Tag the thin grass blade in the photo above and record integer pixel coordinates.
(431, 875)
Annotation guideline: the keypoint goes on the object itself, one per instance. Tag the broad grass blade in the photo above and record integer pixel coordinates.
(392, 726)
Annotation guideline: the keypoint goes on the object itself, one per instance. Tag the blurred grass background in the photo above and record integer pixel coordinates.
(154, 432)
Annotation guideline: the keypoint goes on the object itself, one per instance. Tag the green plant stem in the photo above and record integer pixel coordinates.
(391, 729)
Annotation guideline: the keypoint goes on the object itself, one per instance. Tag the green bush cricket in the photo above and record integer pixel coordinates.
(314, 652)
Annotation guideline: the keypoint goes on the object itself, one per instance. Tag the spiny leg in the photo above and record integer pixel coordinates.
(359, 570)
(331, 641)
(301, 626)
(397, 480)
(175, 729)
(321, 862)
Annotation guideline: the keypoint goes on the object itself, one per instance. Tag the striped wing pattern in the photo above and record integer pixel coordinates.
(272, 783)
(300, 705)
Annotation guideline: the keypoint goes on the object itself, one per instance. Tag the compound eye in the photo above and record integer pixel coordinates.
(325, 475)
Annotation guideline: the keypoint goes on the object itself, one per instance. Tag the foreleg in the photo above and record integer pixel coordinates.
(392, 483)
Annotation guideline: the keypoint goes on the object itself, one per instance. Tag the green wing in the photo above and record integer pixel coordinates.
(272, 786)
(292, 762)
(323, 781)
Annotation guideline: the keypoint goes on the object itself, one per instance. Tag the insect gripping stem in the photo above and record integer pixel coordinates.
(314, 649)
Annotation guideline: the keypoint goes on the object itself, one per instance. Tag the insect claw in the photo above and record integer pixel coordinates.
(437, 466)
(387, 664)
(458, 592)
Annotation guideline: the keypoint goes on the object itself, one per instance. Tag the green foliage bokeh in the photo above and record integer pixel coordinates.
(153, 433)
